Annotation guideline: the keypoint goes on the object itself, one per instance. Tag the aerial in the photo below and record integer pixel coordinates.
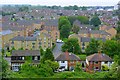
(60, 39)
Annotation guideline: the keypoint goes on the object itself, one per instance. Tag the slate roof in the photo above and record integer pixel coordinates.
(22, 38)
(99, 57)
(63, 57)
(94, 32)
(25, 53)
(88, 39)
(77, 22)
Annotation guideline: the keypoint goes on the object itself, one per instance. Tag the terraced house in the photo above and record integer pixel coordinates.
(19, 57)
(31, 42)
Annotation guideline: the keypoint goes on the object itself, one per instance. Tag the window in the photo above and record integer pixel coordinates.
(106, 62)
(35, 58)
(22, 58)
(96, 62)
(83, 44)
(71, 61)
(62, 61)
(96, 67)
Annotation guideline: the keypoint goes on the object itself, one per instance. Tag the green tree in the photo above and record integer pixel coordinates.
(54, 65)
(75, 29)
(48, 55)
(64, 27)
(41, 51)
(78, 67)
(5, 68)
(93, 47)
(83, 19)
(72, 45)
(109, 47)
(95, 21)
(65, 31)
(72, 19)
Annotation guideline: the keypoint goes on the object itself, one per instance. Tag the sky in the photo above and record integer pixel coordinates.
(63, 2)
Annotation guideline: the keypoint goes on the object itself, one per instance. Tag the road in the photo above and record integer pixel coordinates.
(57, 50)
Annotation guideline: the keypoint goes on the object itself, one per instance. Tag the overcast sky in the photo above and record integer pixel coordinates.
(63, 2)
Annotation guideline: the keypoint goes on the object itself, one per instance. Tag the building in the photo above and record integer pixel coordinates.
(94, 34)
(6, 35)
(67, 60)
(112, 31)
(19, 57)
(95, 61)
(84, 41)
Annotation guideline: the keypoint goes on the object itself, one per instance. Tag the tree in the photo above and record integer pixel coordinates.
(83, 19)
(78, 67)
(41, 51)
(54, 65)
(5, 68)
(72, 19)
(48, 55)
(65, 31)
(72, 45)
(93, 47)
(75, 7)
(109, 47)
(64, 27)
(95, 21)
(75, 29)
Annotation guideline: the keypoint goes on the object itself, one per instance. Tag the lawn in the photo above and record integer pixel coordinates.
(82, 57)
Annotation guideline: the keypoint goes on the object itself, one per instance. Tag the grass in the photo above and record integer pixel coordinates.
(82, 56)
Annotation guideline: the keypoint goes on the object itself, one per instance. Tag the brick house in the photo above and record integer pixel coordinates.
(67, 60)
(19, 57)
(5, 36)
(84, 41)
(95, 61)
(112, 31)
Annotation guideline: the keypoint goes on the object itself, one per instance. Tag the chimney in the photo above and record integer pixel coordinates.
(67, 54)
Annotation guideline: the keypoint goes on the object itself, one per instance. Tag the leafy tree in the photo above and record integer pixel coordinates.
(83, 19)
(41, 51)
(48, 55)
(5, 68)
(72, 19)
(78, 67)
(75, 7)
(118, 28)
(3, 52)
(109, 47)
(65, 31)
(62, 21)
(54, 65)
(75, 29)
(95, 21)
(72, 45)
(92, 47)
(64, 25)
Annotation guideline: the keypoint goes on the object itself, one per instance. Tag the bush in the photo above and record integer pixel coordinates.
(105, 67)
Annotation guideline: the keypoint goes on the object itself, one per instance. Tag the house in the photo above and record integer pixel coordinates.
(67, 60)
(112, 31)
(5, 36)
(19, 57)
(94, 34)
(95, 61)
(84, 41)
